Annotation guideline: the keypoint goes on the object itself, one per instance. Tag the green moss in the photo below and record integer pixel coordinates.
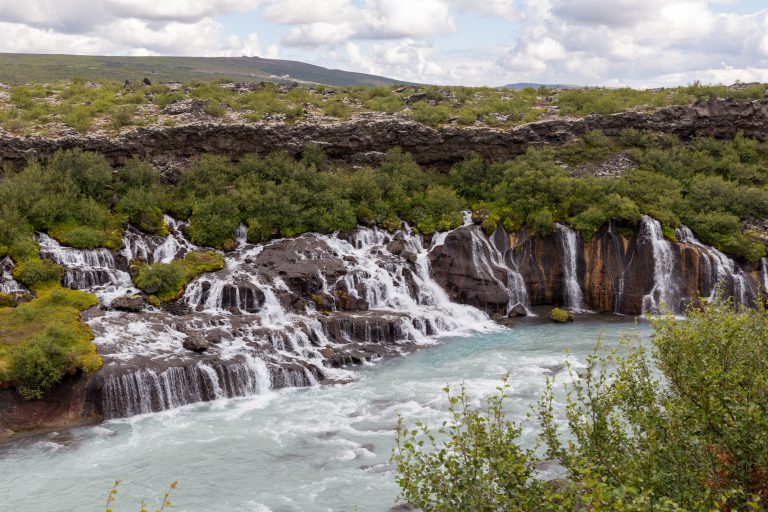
(560, 315)
(7, 300)
(167, 280)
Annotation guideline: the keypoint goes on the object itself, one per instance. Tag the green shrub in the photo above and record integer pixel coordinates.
(33, 272)
(213, 221)
(123, 116)
(43, 339)
(434, 116)
(141, 207)
(671, 427)
(166, 281)
(40, 363)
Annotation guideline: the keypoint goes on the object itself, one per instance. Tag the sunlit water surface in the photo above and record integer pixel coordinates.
(319, 449)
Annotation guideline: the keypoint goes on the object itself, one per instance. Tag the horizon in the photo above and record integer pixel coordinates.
(660, 43)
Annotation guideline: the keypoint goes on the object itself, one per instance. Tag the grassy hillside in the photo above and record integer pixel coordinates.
(16, 68)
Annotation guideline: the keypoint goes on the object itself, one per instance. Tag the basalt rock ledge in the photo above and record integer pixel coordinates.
(364, 138)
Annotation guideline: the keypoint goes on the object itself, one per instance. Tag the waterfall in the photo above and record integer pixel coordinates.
(385, 280)
(573, 295)
(85, 269)
(764, 273)
(488, 260)
(155, 248)
(147, 390)
(721, 272)
(663, 291)
(7, 283)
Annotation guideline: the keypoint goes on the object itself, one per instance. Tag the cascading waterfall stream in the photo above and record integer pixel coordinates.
(258, 328)
(7, 283)
(488, 260)
(663, 292)
(266, 345)
(573, 296)
(93, 270)
(721, 271)
(764, 273)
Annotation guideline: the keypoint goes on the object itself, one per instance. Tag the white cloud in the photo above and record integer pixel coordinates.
(641, 43)
(344, 21)
(317, 34)
(177, 10)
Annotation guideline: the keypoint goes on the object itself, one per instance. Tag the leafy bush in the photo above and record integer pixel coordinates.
(43, 339)
(33, 272)
(167, 280)
(430, 115)
(213, 221)
(141, 207)
(39, 364)
(677, 427)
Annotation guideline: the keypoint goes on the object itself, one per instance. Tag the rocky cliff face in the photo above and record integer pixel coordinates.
(364, 138)
(611, 272)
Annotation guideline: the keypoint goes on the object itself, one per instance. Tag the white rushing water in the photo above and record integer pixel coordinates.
(7, 283)
(574, 298)
(87, 269)
(663, 292)
(764, 273)
(494, 266)
(721, 271)
(314, 449)
(261, 344)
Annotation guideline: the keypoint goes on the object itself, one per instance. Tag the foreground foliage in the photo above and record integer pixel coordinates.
(681, 425)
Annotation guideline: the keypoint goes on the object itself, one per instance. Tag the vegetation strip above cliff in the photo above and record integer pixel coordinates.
(106, 107)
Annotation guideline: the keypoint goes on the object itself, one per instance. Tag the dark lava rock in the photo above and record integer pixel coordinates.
(195, 343)
(132, 302)
(517, 310)
(347, 140)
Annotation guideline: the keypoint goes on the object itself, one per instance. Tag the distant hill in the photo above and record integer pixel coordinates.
(526, 85)
(16, 68)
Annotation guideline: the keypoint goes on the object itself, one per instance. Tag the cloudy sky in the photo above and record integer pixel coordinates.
(644, 43)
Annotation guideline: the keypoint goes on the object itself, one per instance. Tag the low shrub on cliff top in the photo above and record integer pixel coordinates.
(677, 426)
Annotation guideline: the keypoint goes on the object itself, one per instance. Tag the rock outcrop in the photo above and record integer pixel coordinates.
(364, 138)
(629, 273)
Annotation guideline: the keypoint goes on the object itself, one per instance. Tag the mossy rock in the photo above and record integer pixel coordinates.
(560, 315)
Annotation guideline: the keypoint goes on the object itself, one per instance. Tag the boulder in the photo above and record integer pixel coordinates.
(195, 343)
(517, 310)
(410, 256)
(130, 302)
(560, 315)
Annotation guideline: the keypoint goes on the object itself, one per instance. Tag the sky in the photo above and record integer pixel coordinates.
(638, 43)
